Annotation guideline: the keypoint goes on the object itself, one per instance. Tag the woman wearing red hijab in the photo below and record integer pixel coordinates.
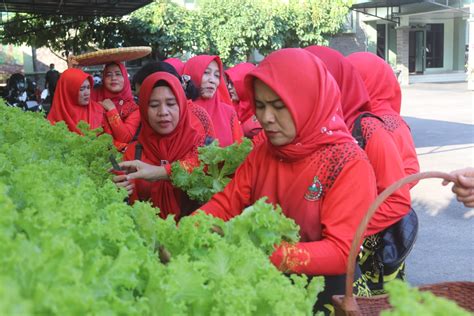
(235, 85)
(72, 102)
(310, 165)
(385, 102)
(177, 64)
(207, 73)
(378, 145)
(169, 133)
(115, 95)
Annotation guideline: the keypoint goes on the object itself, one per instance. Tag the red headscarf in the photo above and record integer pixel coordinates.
(219, 106)
(177, 64)
(171, 147)
(380, 81)
(123, 100)
(354, 96)
(312, 97)
(65, 104)
(237, 74)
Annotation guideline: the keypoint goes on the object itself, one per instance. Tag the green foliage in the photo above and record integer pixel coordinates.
(229, 28)
(408, 301)
(70, 246)
(263, 225)
(212, 175)
(64, 33)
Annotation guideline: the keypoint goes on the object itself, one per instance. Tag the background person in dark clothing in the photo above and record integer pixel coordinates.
(51, 79)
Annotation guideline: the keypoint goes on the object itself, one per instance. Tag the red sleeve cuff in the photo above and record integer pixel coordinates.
(112, 112)
(291, 258)
(168, 169)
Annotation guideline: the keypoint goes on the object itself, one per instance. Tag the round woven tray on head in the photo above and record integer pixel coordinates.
(105, 56)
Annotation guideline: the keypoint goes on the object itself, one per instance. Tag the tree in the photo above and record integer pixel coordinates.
(63, 33)
(231, 29)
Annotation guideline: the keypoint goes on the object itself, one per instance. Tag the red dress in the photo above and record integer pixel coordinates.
(379, 146)
(224, 117)
(162, 150)
(322, 179)
(385, 102)
(65, 105)
(123, 121)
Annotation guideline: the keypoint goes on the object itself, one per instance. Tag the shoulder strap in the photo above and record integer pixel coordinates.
(135, 137)
(138, 151)
(357, 129)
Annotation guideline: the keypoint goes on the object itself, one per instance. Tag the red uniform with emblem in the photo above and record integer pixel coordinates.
(322, 179)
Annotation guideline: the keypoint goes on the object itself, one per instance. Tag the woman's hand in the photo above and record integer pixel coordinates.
(137, 169)
(107, 104)
(122, 182)
(464, 188)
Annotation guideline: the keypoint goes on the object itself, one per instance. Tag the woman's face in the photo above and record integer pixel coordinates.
(113, 78)
(231, 88)
(210, 80)
(273, 115)
(163, 110)
(84, 93)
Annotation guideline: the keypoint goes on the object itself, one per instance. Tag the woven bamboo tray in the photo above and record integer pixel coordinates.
(105, 56)
(460, 292)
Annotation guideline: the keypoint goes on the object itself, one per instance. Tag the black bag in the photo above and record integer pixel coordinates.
(396, 242)
(392, 245)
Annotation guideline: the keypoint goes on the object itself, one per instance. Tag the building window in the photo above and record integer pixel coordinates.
(435, 45)
(381, 36)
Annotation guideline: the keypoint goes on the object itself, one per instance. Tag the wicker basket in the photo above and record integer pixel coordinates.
(105, 56)
(460, 292)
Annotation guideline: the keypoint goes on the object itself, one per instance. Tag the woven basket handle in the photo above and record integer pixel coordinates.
(349, 300)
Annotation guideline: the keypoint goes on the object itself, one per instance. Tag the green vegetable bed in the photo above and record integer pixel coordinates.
(70, 246)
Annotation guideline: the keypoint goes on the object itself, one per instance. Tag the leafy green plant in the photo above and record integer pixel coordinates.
(69, 246)
(410, 301)
(216, 166)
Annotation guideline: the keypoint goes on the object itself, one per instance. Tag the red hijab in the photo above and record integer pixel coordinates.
(123, 100)
(354, 96)
(237, 74)
(65, 104)
(171, 147)
(380, 81)
(177, 64)
(312, 97)
(219, 106)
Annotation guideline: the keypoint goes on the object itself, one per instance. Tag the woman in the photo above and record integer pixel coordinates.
(169, 133)
(380, 149)
(177, 64)
(385, 102)
(377, 142)
(235, 85)
(72, 101)
(121, 112)
(310, 165)
(192, 93)
(207, 72)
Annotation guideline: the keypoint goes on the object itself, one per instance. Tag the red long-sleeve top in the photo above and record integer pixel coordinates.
(388, 168)
(328, 224)
(403, 139)
(122, 129)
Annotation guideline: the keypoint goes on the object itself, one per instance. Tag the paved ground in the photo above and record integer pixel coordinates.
(441, 117)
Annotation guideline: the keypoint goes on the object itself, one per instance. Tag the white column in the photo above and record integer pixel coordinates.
(470, 57)
(403, 39)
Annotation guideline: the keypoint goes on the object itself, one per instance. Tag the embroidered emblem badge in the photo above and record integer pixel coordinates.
(315, 190)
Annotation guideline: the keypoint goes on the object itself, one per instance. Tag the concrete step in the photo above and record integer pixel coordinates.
(442, 77)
